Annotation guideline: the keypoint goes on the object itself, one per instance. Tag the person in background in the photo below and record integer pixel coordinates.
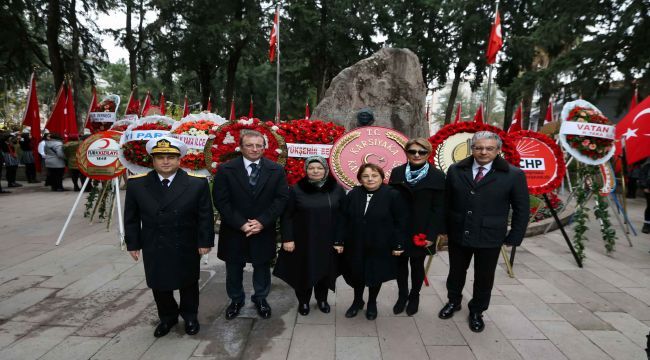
(70, 151)
(644, 182)
(55, 161)
(41, 151)
(27, 156)
(9, 145)
(2, 164)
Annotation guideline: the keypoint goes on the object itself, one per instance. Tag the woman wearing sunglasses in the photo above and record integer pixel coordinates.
(423, 188)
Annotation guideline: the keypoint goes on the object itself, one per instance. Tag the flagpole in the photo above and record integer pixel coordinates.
(489, 87)
(277, 70)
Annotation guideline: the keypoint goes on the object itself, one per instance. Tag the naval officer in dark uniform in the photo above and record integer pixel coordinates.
(168, 215)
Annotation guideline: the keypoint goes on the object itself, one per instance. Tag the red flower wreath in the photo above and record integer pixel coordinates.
(509, 151)
(194, 160)
(135, 151)
(106, 105)
(589, 146)
(559, 156)
(121, 125)
(223, 144)
(306, 132)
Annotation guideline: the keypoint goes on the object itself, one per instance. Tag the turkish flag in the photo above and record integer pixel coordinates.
(496, 40)
(516, 120)
(549, 113)
(458, 110)
(56, 122)
(91, 107)
(209, 107)
(32, 118)
(307, 114)
(162, 103)
(635, 99)
(250, 109)
(478, 117)
(232, 110)
(635, 129)
(186, 108)
(133, 106)
(70, 116)
(273, 41)
(147, 104)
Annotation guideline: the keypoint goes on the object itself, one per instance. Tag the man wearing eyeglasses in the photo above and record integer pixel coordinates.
(480, 191)
(250, 192)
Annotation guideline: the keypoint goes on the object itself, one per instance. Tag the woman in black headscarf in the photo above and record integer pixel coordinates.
(423, 188)
(308, 228)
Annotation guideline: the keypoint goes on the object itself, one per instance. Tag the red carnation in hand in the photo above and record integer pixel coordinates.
(420, 240)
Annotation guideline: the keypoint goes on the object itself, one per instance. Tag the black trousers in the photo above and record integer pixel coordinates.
(55, 176)
(30, 172)
(320, 291)
(373, 291)
(647, 207)
(77, 178)
(417, 275)
(235, 278)
(169, 309)
(11, 174)
(485, 263)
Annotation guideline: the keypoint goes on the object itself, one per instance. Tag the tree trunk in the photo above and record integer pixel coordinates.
(233, 60)
(458, 71)
(205, 79)
(53, 48)
(129, 43)
(527, 107)
(76, 62)
(321, 62)
(543, 106)
(507, 113)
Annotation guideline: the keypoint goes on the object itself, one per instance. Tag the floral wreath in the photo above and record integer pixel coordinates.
(133, 153)
(109, 103)
(121, 125)
(223, 142)
(196, 126)
(557, 152)
(590, 150)
(507, 148)
(306, 132)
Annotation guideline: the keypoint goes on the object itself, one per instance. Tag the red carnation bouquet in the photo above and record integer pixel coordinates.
(108, 104)
(306, 132)
(590, 146)
(194, 130)
(121, 125)
(223, 144)
(133, 151)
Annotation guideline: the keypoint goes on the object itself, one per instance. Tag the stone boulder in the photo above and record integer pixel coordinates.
(389, 83)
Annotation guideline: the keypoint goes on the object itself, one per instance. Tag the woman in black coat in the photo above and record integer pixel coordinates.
(308, 226)
(373, 236)
(27, 157)
(423, 188)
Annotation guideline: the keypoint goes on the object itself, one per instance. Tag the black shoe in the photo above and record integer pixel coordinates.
(371, 311)
(646, 228)
(192, 327)
(5, 192)
(414, 304)
(476, 323)
(324, 306)
(448, 310)
(263, 308)
(233, 310)
(303, 309)
(354, 309)
(15, 185)
(400, 305)
(163, 328)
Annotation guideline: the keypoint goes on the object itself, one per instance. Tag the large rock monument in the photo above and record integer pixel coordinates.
(389, 83)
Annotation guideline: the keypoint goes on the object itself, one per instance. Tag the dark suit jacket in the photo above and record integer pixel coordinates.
(169, 225)
(477, 214)
(237, 202)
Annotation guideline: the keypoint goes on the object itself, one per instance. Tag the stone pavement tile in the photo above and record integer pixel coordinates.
(11, 331)
(76, 348)
(357, 348)
(129, 344)
(591, 281)
(173, 346)
(513, 324)
(23, 300)
(580, 318)
(224, 339)
(616, 345)
(500, 275)
(532, 262)
(43, 311)
(628, 325)
(400, 338)
(629, 304)
(642, 294)
(438, 267)
(93, 281)
(546, 291)
(538, 349)
(119, 315)
(528, 303)
(570, 341)
(70, 275)
(522, 271)
(433, 330)
(445, 352)
(312, 342)
(36, 343)
(489, 344)
(561, 262)
(611, 276)
(356, 326)
(499, 300)
(578, 292)
(19, 284)
(68, 260)
(265, 349)
(316, 316)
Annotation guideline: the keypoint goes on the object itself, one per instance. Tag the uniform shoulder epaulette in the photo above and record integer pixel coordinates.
(197, 175)
(137, 176)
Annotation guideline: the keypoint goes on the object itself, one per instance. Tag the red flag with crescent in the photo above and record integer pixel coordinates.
(496, 40)
(635, 129)
(273, 41)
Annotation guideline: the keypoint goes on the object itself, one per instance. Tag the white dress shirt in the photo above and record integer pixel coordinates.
(247, 165)
(171, 178)
(486, 168)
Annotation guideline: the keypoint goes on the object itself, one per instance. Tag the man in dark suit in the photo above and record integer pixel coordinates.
(250, 193)
(168, 215)
(480, 191)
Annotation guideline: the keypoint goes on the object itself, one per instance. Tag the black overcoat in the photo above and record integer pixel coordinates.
(169, 226)
(237, 202)
(310, 221)
(477, 214)
(426, 207)
(370, 239)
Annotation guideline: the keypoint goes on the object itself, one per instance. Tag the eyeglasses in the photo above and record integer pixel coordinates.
(417, 152)
(480, 149)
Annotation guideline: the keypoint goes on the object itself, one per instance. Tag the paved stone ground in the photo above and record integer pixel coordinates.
(86, 299)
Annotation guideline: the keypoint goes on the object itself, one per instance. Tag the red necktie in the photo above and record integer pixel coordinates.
(479, 174)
